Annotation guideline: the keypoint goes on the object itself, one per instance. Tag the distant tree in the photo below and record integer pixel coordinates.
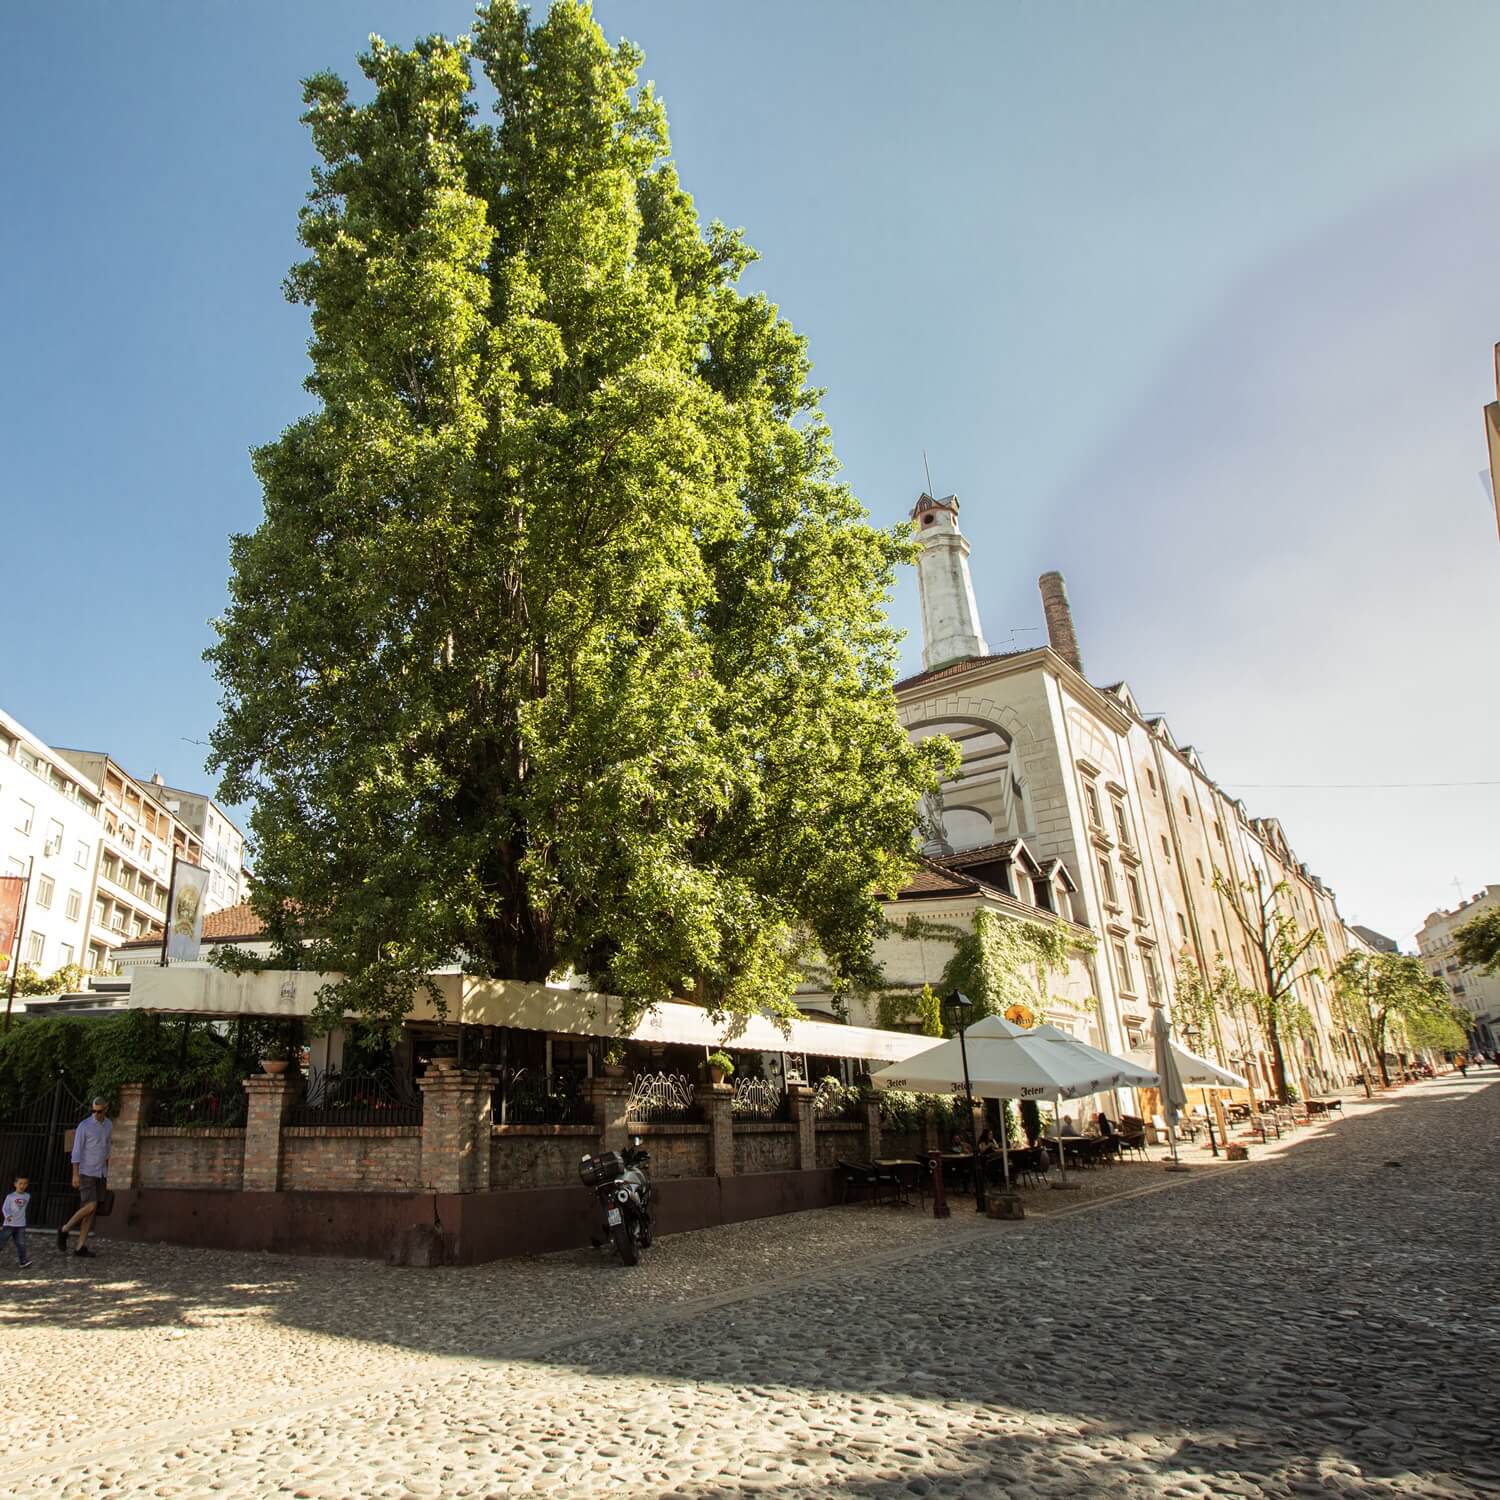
(1478, 942)
(1279, 951)
(31, 981)
(559, 646)
(1373, 991)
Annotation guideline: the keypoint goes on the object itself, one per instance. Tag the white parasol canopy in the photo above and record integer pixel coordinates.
(1196, 1072)
(1008, 1063)
(1173, 1092)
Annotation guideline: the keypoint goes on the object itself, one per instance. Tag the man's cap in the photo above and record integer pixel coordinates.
(100, 1102)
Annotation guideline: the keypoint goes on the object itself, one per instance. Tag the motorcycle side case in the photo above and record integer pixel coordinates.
(604, 1167)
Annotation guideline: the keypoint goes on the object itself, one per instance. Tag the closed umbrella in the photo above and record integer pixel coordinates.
(1173, 1092)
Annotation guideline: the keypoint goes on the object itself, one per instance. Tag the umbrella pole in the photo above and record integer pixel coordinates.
(1005, 1144)
(1062, 1156)
(1208, 1115)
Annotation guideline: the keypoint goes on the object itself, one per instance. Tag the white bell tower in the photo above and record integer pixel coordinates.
(950, 617)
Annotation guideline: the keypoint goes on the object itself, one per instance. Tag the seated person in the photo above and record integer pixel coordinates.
(1104, 1124)
(1068, 1127)
(987, 1141)
(958, 1146)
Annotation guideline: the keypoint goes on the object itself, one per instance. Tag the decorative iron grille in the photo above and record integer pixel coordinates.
(530, 1096)
(656, 1097)
(757, 1099)
(833, 1100)
(198, 1102)
(381, 1096)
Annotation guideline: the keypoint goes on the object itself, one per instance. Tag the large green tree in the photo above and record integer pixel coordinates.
(560, 645)
(1280, 952)
(1374, 991)
(1478, 942)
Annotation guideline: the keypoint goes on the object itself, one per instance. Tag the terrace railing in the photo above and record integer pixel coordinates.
(756, 1099)
(197, 1102)
(532, 1096)
(833, 1100)
(378, 1096)
(657, 1098)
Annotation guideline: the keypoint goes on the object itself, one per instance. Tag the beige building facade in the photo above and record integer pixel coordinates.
(1122, 829)
(1471, 991)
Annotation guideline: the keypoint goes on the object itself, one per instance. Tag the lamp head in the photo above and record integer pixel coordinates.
(958, 1000)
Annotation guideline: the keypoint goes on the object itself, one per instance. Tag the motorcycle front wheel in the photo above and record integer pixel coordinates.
(625, 1244)
(646, 1232)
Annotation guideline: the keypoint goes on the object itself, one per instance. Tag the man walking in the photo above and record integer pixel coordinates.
(90, 1167)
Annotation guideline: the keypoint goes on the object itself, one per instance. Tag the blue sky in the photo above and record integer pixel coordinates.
(1193, 302)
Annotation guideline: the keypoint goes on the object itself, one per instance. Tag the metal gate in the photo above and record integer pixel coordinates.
(34, 1145)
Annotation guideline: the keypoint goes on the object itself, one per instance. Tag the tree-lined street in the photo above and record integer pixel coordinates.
(1323, 1322)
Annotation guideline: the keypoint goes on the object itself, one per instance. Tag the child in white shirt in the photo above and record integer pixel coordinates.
(14, 1212)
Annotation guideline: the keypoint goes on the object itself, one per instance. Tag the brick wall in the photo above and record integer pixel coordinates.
(838, 1138)
(765, 1148)
(351, 1158)
(901, 1143)
(676, 1150)
(533, 1156)
(197, 1157)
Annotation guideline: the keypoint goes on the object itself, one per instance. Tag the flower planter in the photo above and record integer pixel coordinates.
(1237, 1153)
(275, 1066)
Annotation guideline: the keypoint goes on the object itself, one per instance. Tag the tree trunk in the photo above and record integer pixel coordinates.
(1278, 1061)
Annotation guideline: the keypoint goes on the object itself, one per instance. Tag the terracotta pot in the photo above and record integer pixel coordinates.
(275, 1066)
(716, 1077)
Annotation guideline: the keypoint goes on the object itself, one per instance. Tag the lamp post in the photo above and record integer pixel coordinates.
(963, 1005)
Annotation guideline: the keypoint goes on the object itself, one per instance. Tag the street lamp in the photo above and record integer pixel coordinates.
(963, 1005)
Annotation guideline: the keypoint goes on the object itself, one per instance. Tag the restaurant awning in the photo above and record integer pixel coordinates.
(203, 991)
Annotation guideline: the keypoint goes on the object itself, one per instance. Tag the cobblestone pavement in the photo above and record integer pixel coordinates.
(1320, 1321)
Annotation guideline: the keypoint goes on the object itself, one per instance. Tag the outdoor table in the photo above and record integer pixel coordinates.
(952, 1160)
(893, 1164)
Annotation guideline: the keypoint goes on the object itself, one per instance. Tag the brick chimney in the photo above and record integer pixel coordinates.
(1060, 633)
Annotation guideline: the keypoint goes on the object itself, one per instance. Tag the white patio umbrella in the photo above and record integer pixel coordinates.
(1008, 1063)
(1173, 1093)
(1199, 1073)
(1126, 1072)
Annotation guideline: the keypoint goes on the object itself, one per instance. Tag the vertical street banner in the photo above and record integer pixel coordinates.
(184, 935)
(12, 887)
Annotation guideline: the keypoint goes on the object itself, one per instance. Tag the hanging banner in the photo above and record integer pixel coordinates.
(12, 887)
(185, 903)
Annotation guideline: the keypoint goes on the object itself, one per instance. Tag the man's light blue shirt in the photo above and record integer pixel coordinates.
(91, 1146)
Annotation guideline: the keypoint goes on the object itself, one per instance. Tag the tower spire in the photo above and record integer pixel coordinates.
(950, 617)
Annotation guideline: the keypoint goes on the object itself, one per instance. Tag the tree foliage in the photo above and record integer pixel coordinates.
(31, 981)
(1478, 942)
(1281, 952)
(560, 645)
(1373, 992)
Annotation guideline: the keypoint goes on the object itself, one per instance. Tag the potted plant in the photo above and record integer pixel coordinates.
(720, 1068)
(275, 1062)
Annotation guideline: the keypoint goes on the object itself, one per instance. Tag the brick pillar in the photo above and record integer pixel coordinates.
(125, 1140)
(267, 1102)
(611, 1100)
(800, 1102)
(456, 1123)
(717, 1100)
(872, 1127)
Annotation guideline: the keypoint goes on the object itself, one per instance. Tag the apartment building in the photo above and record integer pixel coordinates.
(223, 843)
(1472, 991)
(50, 830)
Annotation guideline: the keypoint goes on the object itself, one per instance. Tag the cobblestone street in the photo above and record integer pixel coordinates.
(1321, 1321)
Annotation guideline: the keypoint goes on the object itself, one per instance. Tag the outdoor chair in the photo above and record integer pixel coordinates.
(857, 1177)
(1132, 1135)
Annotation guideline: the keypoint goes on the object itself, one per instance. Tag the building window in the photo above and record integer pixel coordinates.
(1133, 887)
(1151, 780)
(1214, 934)
(1166, 849)
(44, 890)
(1122, 967)
(1041, 891)
(1187, 807)
(1122, 824)
(75, 905)
(64, 954)
(101, 913)
(36, 945)
(81, 854)
(1107, 883)
(24, 815)
(1218, 831)
(54, 836)
(1153, 976)
(1201, 875)
(1091, 801)
(1182, 926)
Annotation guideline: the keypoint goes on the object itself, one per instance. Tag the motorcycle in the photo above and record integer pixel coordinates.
(622, 1184)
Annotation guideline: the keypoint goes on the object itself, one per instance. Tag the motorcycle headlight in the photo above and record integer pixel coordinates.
(622, 1196)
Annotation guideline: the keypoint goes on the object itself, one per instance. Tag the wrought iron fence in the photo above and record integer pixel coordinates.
(757, 1099)
(198, 1102)
(833, 1100)
(530, 1096)
(379, 1096)
(657, 1097)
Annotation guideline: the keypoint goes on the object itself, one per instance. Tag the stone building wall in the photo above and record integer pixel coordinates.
(838, 1138)
(765, 1148)
(676, 1150)
(351, 1158)
(191, 1157)
(533, 1156)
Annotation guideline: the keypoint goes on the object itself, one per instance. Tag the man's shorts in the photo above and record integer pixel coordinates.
(89, 1188)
